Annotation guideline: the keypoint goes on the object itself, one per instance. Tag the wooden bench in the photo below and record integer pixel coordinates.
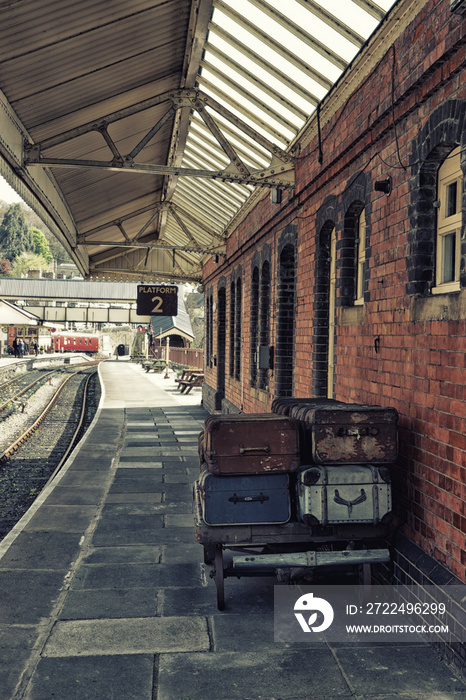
(188, 373)
(154, 365)
(185, 385)
(138, 358)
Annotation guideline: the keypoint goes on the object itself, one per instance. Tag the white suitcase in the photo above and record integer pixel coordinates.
(356, 493)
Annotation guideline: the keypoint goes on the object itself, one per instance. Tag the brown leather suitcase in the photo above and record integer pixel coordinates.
(349, 434)
(200, 448)
(286, 406)
(298, 411)
(251, 443)
(283, 405)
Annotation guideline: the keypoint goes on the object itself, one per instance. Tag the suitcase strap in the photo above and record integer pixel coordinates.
(263, 448)
(248, 499)
(349, 504)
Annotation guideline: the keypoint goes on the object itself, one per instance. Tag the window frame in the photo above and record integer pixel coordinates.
(449, 173)
(360, 258)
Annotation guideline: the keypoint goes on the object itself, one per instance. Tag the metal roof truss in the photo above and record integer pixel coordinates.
(279, 173)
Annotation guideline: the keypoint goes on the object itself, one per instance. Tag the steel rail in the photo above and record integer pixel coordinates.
(23, 391)
(19, 441)
(10, 381)
(72, 442)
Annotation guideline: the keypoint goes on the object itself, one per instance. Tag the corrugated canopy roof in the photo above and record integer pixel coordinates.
(138, 128)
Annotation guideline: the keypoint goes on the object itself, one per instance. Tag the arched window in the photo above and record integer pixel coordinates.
(285, 322)
(449, 218)
(211, 327)
(264, 332)
(254, 332)
(352, 256)
(324, 302)
(436, 259)
(360, 258)
(221, 350)
(208, 334)
(238, 329)
(232, 330)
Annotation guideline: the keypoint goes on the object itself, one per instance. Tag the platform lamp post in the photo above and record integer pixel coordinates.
(167, 357)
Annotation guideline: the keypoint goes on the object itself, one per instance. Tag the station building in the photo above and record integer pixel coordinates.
(354, 285)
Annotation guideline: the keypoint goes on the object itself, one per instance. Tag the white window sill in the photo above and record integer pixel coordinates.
(446, 288)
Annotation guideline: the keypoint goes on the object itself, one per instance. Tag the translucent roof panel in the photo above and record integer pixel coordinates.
(270, 68)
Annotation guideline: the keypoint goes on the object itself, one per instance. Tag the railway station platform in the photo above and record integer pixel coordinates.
(31, 361)
(104, 594)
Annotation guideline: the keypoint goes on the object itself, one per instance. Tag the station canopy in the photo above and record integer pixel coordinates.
(138, 129)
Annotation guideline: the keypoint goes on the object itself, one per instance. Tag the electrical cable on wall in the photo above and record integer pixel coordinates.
(393, 108)
(319, 133)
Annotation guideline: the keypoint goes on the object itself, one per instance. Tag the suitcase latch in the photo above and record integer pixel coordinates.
(264, 448)
(248, 499)
(349, 504)
(364, 431)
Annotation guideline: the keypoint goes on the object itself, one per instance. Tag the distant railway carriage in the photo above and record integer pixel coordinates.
(75, 342)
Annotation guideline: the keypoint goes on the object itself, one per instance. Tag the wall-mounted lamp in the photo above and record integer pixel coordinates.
(275, 195)
(383, 185)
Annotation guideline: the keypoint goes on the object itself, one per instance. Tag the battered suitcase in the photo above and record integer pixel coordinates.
(254, 443)
(349, 434)
(259, 499)
(298, 411)
(283, 405)
(200, 448)
(358, 493)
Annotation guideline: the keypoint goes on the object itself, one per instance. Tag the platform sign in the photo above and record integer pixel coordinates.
(157, 300)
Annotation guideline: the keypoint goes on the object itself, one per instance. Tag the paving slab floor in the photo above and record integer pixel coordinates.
(104, 594)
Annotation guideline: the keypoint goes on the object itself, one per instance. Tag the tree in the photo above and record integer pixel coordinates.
(41, 244)
(57, 250)
(5, 267)
(27, 261)
(14, 235)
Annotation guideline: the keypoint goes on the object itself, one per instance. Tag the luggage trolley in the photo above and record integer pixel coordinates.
(336, 456)
(250, 541)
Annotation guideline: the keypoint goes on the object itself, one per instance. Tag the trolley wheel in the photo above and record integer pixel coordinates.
(209, 553)
(219, 578)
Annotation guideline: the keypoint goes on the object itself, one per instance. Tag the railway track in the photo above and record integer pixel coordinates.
(20, 388)
(35, 456)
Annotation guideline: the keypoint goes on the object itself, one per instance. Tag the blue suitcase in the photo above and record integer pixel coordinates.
(256, 499)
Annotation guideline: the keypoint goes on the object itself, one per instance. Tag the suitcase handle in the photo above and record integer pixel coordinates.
(248, 499)
(264, 448)
(358, 432)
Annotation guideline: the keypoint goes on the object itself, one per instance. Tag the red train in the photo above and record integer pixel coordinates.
(75, 342)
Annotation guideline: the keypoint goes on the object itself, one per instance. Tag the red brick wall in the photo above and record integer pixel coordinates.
(420, 363)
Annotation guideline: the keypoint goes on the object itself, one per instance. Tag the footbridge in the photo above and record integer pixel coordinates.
(75, 301)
